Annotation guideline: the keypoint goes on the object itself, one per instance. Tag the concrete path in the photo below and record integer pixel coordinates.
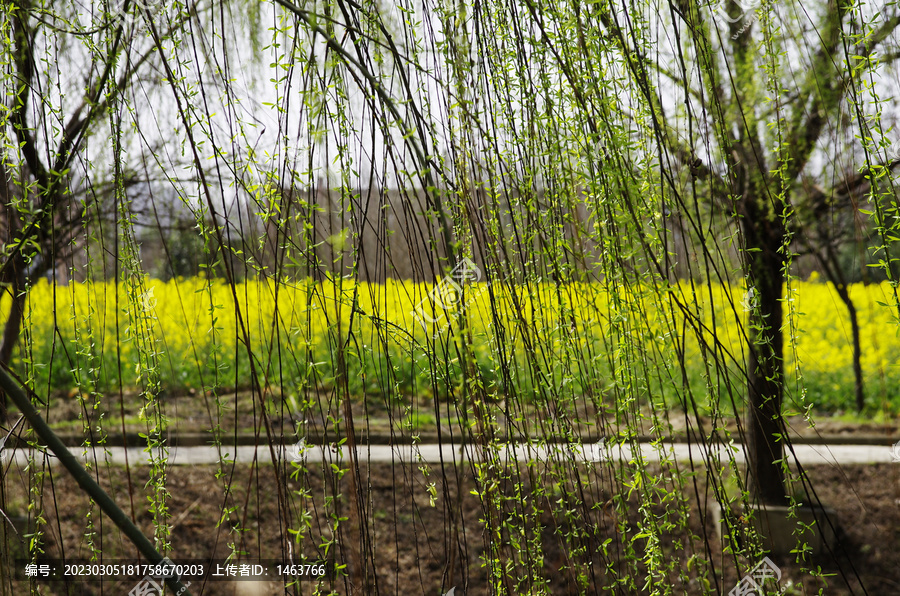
(433, 454)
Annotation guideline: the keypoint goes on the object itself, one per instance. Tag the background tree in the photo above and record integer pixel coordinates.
(829, 227)
(754, 127)
(52, 113)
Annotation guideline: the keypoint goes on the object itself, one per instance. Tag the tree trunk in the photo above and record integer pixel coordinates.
(13, 327)
(857, 357)
(764, 264)
(7, 220)
(832, 268)
(859, 391)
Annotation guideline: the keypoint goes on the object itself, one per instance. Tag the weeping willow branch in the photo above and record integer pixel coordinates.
(425, 162)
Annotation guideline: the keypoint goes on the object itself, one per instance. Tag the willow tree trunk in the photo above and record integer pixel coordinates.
(764, 236)
(13, 327)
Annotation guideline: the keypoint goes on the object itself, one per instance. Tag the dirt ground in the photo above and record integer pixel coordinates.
(322, 418)
(412, 532)
(421, 530)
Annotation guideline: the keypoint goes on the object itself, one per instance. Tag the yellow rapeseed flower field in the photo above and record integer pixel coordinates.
(401, 336)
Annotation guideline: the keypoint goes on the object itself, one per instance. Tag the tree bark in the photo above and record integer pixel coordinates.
(13, 327)
(764, 235)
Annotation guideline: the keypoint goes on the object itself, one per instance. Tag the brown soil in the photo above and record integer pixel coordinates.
(322, 418)
(404, 539)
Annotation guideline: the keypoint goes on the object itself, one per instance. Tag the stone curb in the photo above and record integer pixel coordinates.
(382, 438)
